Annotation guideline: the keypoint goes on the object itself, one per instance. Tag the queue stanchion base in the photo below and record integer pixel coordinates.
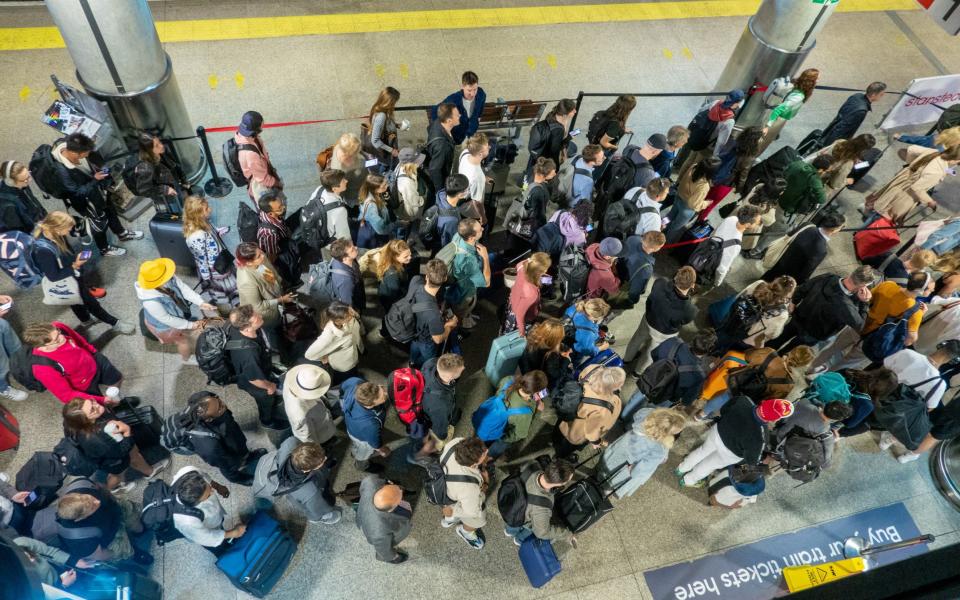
(218, 187)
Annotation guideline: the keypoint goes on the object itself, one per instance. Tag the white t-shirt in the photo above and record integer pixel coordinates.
(474, 174)
(727, 231)
(912, 368)
(468, 107)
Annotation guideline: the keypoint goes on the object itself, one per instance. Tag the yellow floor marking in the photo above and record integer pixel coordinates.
(404, 71)
(213, 81)
(687, 53)
(34, 38)
(667, 53)
(238, 78)
(531, 62)
(552, 61)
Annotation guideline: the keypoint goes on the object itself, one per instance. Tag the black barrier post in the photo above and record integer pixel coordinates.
(216, 186)
(573, 121)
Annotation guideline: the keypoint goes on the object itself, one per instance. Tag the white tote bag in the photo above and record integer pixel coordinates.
(65, 292)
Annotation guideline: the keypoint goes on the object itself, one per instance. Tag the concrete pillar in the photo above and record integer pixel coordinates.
(775, 43)
(120, 61)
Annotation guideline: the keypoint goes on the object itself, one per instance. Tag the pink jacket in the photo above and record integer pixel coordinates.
(256, 166)
(602, 281)
(79, 366)
(524, 299)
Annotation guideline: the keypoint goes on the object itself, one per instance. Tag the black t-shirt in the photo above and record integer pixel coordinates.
(614, 131)
(429, 323)
(946, 421)
(108, 518)
(740, 431)
(250, 363)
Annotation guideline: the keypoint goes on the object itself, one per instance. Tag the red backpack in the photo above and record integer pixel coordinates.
(407, 387)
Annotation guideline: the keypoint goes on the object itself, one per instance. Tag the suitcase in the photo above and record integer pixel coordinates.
(9, 430)
(698, 231)
(873, 241)
(606, 358)
(539, 561)
(811, 143)
(111, 584)
(505, 353)
(167, 233)
(145, 425)
(256, 561)
(585, 502)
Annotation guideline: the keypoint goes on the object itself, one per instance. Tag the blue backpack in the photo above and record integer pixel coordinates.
(490, 418)
(16, 259)
(889, 337)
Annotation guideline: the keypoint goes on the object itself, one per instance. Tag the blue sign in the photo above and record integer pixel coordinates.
(752, 572)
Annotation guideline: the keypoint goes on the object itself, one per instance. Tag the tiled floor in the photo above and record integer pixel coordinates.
(338, 76)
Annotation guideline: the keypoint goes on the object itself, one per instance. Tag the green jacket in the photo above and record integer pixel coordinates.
(804, 189)
(518, 426)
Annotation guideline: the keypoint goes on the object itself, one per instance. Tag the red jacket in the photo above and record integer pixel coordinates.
(602, 281)
(76, 358)
(524, 299)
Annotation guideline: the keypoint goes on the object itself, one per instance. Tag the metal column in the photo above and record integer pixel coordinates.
(120, 61)
(775, 43)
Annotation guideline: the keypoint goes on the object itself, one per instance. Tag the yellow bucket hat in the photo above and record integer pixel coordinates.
(154, 273)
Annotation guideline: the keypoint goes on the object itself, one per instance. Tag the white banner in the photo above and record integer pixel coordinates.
(918, 108)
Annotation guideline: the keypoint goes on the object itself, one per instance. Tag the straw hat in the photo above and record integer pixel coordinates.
(307, 382)
(154, 273)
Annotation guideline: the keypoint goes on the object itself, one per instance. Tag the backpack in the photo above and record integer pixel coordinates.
(802, 454)
(512, 497)
(448, 253)
(568, 172)
(490, 420)
(320, 281)
(212, 347)
(423, 189)
(435, 485)
(314, 230)
(16, 259)
(539, 135)
(771, 168)
(597, 126)
(777, 91)
(572, 272)
(407, 387)
(701, 129)
(75, 462)
(21, 367)
(401, 319)
(247, 223)
(623, 216)
(428, 230)
(744, 313)
(618, 178)
(706, 258)
(658, 382)
(904, 414)
(231, 160)
(566, 399)
(42, 474)
(949, 118)
(43, 169)
(549, 239)
(175, 437)
(826, 388)
(889, 337)
(160, 503)
(752, 381)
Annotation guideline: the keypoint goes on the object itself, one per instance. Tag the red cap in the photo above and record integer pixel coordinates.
(774, 410)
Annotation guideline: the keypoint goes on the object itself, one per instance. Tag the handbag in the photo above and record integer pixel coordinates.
(224, 263)
(298, 323)
(65, 292)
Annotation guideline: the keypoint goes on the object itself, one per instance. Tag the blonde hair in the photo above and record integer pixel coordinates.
(660, 425)
(545, 335)
(948, 262)
(73, 506)
(10, 170)
(53, 223)
(535, 266)
(606, 380)
(348, 144)
(922, 259)
(595, 308)
(476, 142)
(410, 170)
(948, 137)
(193, 217)
(388, 255)
(799, 357)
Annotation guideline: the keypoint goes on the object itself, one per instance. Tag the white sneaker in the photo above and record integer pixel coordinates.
(448, 523)
(192, 361)
(14, 394)
(130, 235)
(114, 251)
(908, 457)
(124, 328)
(886, 440)
(163, 464)
(123, 488)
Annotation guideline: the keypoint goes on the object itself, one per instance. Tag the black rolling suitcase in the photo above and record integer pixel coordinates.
(145, 424)
(585, 502)
(697, 231)
(166, 229)
(811, 143)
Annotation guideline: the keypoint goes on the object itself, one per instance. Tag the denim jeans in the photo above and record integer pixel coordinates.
(10, 344)
(421, 352)
(680, 215)
(716, 403)
(944, 239)
(518, 533)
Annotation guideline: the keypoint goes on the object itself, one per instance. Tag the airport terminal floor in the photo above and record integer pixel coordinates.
(298, 60)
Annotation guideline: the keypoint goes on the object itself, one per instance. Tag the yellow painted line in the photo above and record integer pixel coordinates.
(35, 38)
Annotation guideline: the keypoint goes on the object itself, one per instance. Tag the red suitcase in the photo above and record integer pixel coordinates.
(9, 430)
(879, 237)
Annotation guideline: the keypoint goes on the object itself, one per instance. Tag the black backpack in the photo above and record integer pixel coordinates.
(597, 126)
(771, 168)
(435, 485)
(549, 239)
(701, 130)
(21, 367)
(213, 346)
(949, 118)
(512, 498)
(231, 160)
(314, 230)
(159, 505)
(566, 400)
(904, 414)
(572, 272)
(247, 223)
(706, 258)
(802, 454)
(540, 135)
(43, 169)
(658, 382)
(75, 462)
(401, 320)
(744, 314)
(176, 434)
(623, 216)
(42, 474)
(429, 232)
(616, 181)
(752, 381)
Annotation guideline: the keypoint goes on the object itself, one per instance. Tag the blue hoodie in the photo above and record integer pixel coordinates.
(364, 424)
(586, 335)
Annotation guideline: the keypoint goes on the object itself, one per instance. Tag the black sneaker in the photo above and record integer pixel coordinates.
(142, 558)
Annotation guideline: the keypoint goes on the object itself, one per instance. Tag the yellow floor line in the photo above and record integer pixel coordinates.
(34, 38)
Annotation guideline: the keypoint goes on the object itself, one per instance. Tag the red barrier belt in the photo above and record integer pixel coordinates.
(686, 243)
(283, 124)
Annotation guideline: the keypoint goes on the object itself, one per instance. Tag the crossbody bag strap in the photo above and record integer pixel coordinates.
(597, 402)
(456, 478)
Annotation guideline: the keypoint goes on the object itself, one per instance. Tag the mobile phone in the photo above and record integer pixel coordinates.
(371, 163)
(105, 170)
(86, 254)
(541, 395)
(861, 165)
(665, 221)
(574, 133)
(31, 498)
(6, 306)
(589, 227)
(546, 280)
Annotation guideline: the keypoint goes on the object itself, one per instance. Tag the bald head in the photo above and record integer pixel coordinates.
(388, 497)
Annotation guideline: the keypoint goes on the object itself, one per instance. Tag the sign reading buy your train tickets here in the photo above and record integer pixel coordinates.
(753, 571)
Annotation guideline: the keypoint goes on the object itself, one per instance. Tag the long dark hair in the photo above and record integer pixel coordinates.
(748, 142)
(621, 108)
(563, 107)
(145, 148)
(706, 168)
(530, 383)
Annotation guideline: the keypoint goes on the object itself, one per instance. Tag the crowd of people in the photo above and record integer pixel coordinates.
(779, 372)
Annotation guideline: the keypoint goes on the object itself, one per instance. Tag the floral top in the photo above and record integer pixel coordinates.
(205, 249)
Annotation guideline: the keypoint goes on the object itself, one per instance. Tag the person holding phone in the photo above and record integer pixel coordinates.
(525, 392)
(53, 566)
(19, 208)
(261, 287)
(524, 304)
(157, 176)
(57, 261)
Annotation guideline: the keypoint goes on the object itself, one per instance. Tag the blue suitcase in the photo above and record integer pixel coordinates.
(539, 561)
(605, 358)
(505, 353)
(256, 561)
